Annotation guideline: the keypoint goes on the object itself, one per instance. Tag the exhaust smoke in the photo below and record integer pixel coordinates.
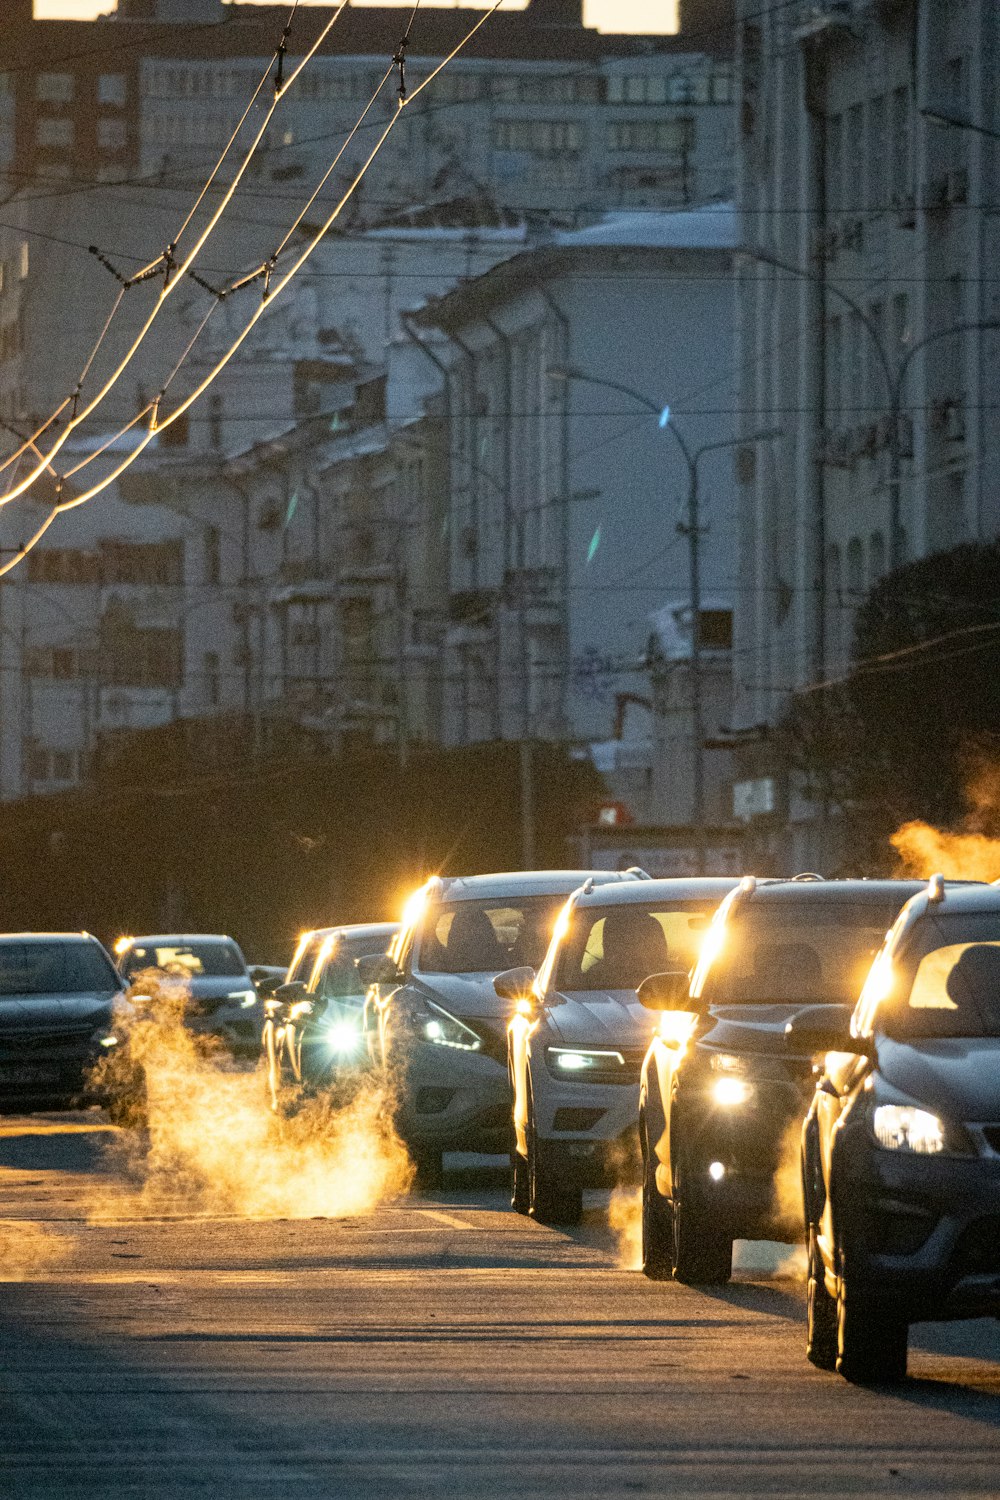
(971, 853)
(625, 1222)
(211, 1145)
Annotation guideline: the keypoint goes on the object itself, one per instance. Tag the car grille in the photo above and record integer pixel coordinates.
(15, 1046)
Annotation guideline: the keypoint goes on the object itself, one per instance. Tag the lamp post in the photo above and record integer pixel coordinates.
(894, 376)
(692, 529)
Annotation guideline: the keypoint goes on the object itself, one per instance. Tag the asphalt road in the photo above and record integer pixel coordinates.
(436, 1347)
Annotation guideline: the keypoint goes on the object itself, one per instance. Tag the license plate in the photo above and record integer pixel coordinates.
(28, 1073)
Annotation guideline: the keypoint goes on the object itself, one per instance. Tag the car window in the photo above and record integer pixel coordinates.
(483, 937)
(186, 960)
(336, 978)
(617, 948)
(305, 960)
(38, 968)
(809, 952)
(948, 983)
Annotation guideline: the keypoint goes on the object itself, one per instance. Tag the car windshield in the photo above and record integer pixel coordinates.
(337, 977)
(483, 937)
(40, 968)
(186, 960)
(616, 948)
(949, 981)
(810, 952)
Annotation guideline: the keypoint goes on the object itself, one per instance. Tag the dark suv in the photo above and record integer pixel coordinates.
(720, 1092)
(57, 1019)
(901, 1147)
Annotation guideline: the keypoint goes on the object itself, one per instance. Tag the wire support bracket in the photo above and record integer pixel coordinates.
(399, 61)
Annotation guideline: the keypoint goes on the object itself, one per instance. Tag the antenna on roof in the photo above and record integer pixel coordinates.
(588, 885)
(638, 873)
(935, 889)
(808, 875)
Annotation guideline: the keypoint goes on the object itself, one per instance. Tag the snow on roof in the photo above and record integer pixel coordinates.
(712, 227)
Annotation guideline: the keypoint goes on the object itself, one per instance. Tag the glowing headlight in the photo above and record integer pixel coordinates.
(730, 1092)
(245, 997)
(344, 1037)
(435, 1025)
(108, 1041)
(573, 1060)
(901, 1127)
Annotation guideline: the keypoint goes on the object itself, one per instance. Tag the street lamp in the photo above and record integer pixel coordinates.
(691, 528)
(895, 378)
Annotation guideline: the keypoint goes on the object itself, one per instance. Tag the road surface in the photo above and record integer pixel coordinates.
(436, 1347)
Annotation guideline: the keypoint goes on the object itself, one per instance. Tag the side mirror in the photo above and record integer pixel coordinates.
(289, 993)
(269, 985)
(824, 1028)
(670, 991)
(377, 968)
(514, 984)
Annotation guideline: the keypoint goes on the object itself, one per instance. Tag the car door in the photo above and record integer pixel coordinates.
(663, 1061)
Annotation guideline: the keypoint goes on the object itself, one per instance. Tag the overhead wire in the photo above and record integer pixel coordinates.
(270, 293)
(173, 271)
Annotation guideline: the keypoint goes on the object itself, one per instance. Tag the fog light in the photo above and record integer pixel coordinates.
(716, 1171)
(730, 1092)
(343, 1037)
(109, 1041)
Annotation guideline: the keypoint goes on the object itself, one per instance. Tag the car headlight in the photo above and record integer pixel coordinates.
(344, 1037)
(730, 1093)
(904, 1127)
(106, 1039)
(433, 1024)
(245, 997)
(582, 1060)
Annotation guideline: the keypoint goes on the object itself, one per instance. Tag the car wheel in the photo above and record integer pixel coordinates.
(549, 1200)
(429, 1169)
(871, 1343)
(821, 1312)
(703, 1253)
(657, 1228)
(520, 1196)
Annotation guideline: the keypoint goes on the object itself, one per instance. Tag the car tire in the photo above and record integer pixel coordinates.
(657, 1229)
(520, 1193)
(549, 1200)
(871, 1342)
(428, 1169)
(703, 1253)
(821, 1312)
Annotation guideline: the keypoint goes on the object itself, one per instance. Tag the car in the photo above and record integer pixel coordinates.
(901, 1144)
(313, 1028)
(434, 1023)
(578, 1034)
(722, 1096)
(59, 993)
(222, 1000)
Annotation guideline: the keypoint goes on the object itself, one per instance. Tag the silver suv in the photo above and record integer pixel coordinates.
(578, 1034)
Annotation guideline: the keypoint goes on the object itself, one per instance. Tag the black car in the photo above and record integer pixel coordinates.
(721, 1096)
(221, 997)
(313, 1031)
(901, 1147)
(57, 1019)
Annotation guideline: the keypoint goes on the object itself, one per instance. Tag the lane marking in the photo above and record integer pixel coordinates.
(434, 1213)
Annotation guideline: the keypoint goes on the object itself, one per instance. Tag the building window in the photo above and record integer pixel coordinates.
(213, 555)
(176, 435)
(651, 135)
(54, 88)
(112, 133)
(210, 671)
(876, 559)
(854, 160)
(24, 261)
(900, 128)
(855, 572)
(112, 88)
(835, 359)
(834, 164)
(900, 320)
(541, 137)
(155, 564)
(54, 131)
(215, 420)
(877, 150)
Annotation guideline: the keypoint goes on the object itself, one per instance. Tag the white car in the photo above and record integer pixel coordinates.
(578, 1035)
(434, 1022)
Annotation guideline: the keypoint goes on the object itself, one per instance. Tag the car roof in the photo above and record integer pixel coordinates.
(162, 939)
(48, 937)
(855, 892)
(351, 930)
(963, 896)
(531, 883)
(643, 892)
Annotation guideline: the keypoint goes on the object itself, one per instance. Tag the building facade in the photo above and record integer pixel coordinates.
(868, 333)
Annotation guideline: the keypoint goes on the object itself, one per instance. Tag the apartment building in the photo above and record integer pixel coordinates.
(867, 232)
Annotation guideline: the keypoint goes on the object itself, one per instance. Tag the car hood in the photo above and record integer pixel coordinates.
(53, 1012)
(958, 1077)
(463, 995)
(220, 986)
(601, 1017)
(749, 1028)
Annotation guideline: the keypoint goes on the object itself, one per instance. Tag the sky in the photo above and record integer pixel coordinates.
(622, 16)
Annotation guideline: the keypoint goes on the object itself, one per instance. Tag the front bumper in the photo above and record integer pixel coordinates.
(237, 1029)
(449, 1100)
(920, 1233)
(63, 1079)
